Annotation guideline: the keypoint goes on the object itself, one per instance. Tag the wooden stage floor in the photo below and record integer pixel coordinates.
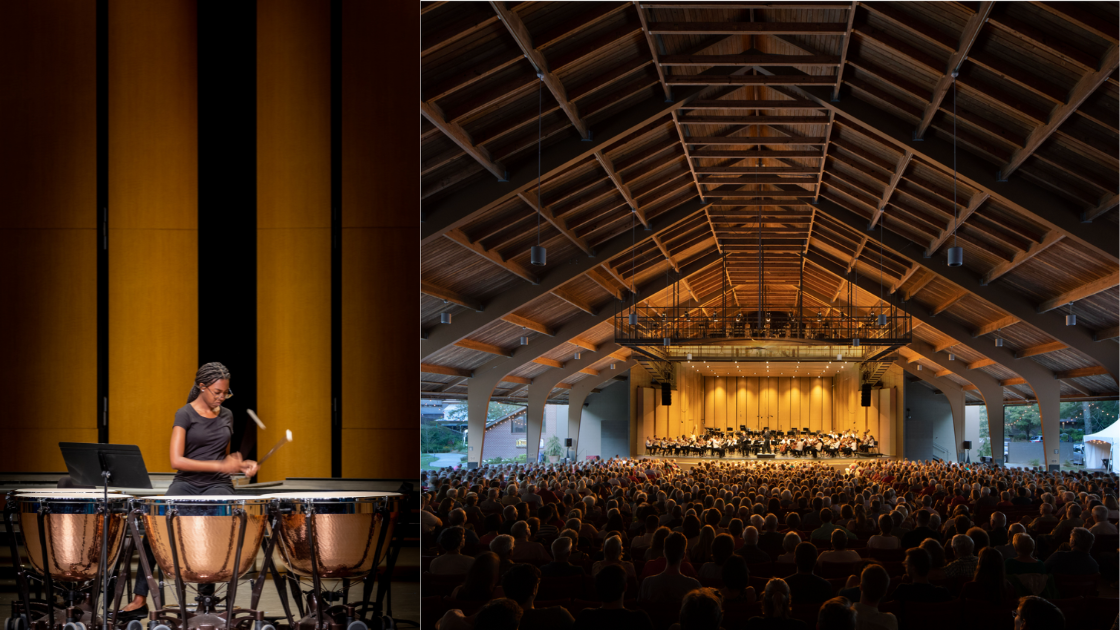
(836, 462)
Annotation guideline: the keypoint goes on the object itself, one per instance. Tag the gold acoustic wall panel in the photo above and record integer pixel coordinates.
(153, 220)
(380, 242)
(48, 153)
(293, 235)
(780, 402)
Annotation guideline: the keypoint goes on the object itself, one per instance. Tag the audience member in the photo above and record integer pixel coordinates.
(750, 551)
(451, 561)
(722, 549)
(1076, 561)
(873, 585)
(776, 609)
(560, 565)
(700, 610)
(824, 532)
(1101, 526)
(520, 584)
(670, 586)
(990, 583)
(837, 614)
(612, 555)
(789, 543)
(964, 563)
(481, 581)
(884, 539)
(524, 549)
(805, 586)
(610, 588)
(918, 589)
(736, 577)
(1036, 613)
(839, 552)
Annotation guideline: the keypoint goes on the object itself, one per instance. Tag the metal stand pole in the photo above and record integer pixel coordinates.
(155, 590)
(104, 551)
(180, 590)
(21, 575)
(44, 510)
(315, 568)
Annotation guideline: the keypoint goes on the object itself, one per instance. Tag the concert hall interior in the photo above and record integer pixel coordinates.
(668, 248)
(205, 231)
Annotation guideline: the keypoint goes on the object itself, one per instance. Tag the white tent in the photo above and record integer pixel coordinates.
(1103, 445)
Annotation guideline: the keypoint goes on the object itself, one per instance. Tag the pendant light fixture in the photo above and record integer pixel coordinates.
(612, 366)
(919, 367)
(524, 340)
(952, 357)
(1071, 319)
(577, 356)
(538, 255)
(956, 253)
(689, 356)
(445, 318)
(999, 340)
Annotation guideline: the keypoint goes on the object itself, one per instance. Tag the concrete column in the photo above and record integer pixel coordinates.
(954, 393)
(579, 394)
(543, 385)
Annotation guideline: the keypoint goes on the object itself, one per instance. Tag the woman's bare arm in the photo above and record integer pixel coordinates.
(231, 464)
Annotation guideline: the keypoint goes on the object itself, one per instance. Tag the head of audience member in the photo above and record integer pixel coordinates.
(562, 549)
(921, 517)
(520, 531)
(1036, 613)
(735, 528)
(771, 523)
(1073, 511)
(1100, 514)
(481, 578)
(793, 520)
(612, 549)
(451, 539)
(1016, 528)
(1081, 539)
(775, 599)
(750, 537)
(736, 575)
(839, 540)
(520, 584)
(873, 584)
(701, 609)
(499, 614)
(691, 526)
(675, 546)
(998, 520)
(722, 548)
(979, 537)
(917, 564)
(936, 553)
(610, 584)
(990, 569)
(502, 545)
(826, 516)
(836, 614)
(805, 556)
(492, 523)
(659, 536)
(790, 542)
(886, 524)
(1024, 547)
(652, 523)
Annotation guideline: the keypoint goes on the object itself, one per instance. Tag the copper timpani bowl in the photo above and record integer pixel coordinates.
(73, 532)
(348, 528)
(206, 530)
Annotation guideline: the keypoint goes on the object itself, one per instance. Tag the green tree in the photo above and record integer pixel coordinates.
(496, 411)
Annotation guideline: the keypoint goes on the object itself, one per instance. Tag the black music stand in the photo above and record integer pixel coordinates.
(96, 465)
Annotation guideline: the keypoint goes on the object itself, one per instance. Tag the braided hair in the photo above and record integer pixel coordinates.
(207, 375)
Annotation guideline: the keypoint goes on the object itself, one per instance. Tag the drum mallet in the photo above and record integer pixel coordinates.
(255, 418)
(287, 438)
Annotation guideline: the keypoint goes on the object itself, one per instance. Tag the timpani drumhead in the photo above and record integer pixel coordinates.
(66, 491)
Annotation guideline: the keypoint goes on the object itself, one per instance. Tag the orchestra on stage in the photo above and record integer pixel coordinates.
(744, 443)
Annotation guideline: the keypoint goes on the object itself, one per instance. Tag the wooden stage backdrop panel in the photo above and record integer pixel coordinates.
(780, 402)
(380, 242)
(293, 235)
(153, 220)
(49, 234)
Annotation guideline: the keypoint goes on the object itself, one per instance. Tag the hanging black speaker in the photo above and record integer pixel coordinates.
(966, 445)
(865, 395)
(567, 442)
(666, 395)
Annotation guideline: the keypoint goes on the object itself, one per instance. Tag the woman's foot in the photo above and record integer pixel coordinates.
(136, 603)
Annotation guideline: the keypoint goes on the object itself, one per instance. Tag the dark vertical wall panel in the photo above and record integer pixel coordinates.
(293, 234)
(153, 220)
(380, 240)
(48, 149)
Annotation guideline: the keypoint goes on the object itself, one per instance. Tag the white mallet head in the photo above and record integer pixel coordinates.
(289, 435)
(255, 418)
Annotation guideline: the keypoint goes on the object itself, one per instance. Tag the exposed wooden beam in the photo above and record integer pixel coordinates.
(906, 276)
(1080, 17)
(560, 224)
(525, 322)
(549, 362)
(461, 238)
(600, 278)
(941, 373)
(942, 347)
(665, 252)
(449, 296)
(566, 295)
(859, 250)
(969, 34)
(655, 54)
(1083, 89)
(1086, 290)
(896, 177)
(836, 295)
(973, 205)
(589, 371)
(969, 388)
(980, 363)
(524, 41)
(456, 134)
(445, 370)
(1050, 238)
(1045, 40)
(617, 276)
(1096, 370)
(1043, 348)
(482, 347)
(1107, 203)
(1013, 381)
(754, 120)
(745, 28)
(622, 188)
(795, 61)
(1107, 333)
(941, 308)
(586, 345)
(997, 325)
(918, 286)
(775, 79)
(752, 104)
(520, 380)
(1081, 389)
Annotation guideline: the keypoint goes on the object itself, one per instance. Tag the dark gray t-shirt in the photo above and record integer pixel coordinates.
(207, 439)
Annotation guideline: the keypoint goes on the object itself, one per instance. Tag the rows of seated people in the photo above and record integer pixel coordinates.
(876, 545)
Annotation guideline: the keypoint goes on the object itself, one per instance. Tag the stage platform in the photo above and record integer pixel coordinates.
(836, 462)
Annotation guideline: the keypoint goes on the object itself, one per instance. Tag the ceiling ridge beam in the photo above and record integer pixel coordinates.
(458, 135)
(1080, 293)
(1082, 90)
(969, 35)
(622, 188)
(973, 205)
(524, 41)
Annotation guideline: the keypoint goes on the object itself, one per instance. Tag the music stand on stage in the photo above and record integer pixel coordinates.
(98, 464)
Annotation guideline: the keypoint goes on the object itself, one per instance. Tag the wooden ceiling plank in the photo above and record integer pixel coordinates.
(913, 25)
(524, 41)
(1078, 16)
(968, 37)
(1103, 334)
(722, 104)
(1086, 290)
(529, 324)
(622, 188)
(560, 224)
(549, 362)
(795, 61)
(482, 347)
(445, 370)
(1096, 370)
(457, 236)
(448, 295)
(980, 363)
(1082, 90)
(1078, 386)
(745, 28)
(1108, 202)
(1042, 39)
(1052, 237)
(909, 272)
(973, 205)
(996, 326)
(657, 63)
(941, 308)
(600, 279)
(456, 134)
(1043, 348)
(566, 295)
(754, 120)
(706, 80)
(903, 162)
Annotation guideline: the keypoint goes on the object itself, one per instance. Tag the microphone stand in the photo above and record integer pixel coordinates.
(105, 475)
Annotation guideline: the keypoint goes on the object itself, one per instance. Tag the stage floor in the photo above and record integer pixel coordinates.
(690, 461)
